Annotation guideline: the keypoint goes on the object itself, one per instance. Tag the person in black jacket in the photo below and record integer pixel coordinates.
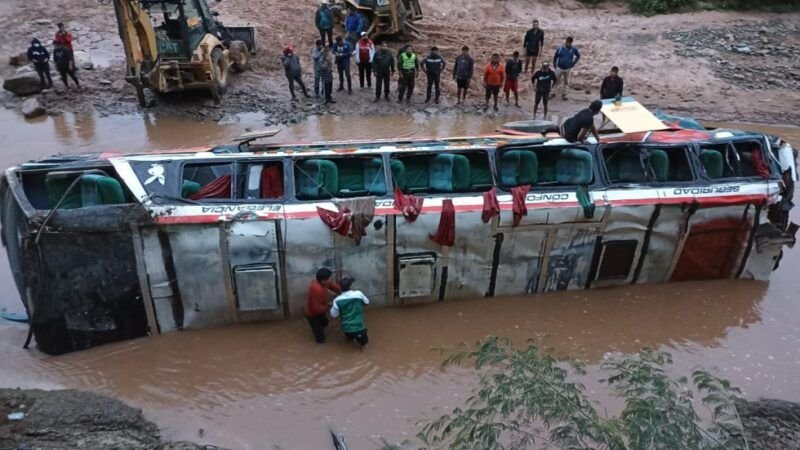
(65, 63)
(383, 65)
(40, 58)
(533, 43)
(513, 69)
(612, 85)
(433, 66)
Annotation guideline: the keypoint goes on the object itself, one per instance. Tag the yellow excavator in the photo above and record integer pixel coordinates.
(177, 45)
(386, 19)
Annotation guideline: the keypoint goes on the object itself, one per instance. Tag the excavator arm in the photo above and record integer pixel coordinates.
(139, 41)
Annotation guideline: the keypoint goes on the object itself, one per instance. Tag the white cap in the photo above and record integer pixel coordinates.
(363, 33)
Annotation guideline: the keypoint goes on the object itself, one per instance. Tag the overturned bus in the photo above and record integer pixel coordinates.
(105, 247)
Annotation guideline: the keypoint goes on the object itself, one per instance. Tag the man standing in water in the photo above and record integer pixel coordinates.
(317, 302)
(564, 60)
(513, 69)
(462, 73)
(578, 126)
(493, 76)
(533, 43)
(544, 81)
(433, 66)
(408, 65)
(350, 306)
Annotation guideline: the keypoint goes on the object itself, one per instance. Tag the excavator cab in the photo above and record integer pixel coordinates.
(386, 18)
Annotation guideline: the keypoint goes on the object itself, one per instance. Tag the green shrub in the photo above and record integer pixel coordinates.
(653, 7)
(526, 399)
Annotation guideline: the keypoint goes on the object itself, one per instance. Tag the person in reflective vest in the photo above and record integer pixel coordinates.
(408, 65)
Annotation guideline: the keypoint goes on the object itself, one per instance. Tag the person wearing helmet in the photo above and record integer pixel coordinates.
(578, 126)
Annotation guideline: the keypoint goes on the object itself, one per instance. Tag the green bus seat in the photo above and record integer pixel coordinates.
(317, 178)
(574, 166)
(630, 167)
(398, 174)
(374, 178)
(659, 161)
(449, 173)
(712, 163)
(99, 189)
(56, 184)
(518, 168)
(189, 188)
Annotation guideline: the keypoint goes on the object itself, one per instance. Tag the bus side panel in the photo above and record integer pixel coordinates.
(308, 246)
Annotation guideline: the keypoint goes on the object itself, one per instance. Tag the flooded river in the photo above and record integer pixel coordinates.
(269, 386)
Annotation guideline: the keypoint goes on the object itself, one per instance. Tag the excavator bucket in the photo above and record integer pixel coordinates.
(389, 18)
(244, 34)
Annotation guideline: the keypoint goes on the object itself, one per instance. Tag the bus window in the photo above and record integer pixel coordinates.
(545, 167)
(262, 181)
(324, 178)
(442, 172)
(644, 164)
(206, 181)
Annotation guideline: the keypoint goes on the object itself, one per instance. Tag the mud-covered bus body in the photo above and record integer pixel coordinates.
(152, 243)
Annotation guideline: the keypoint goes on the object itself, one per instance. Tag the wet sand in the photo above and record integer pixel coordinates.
(264, 385)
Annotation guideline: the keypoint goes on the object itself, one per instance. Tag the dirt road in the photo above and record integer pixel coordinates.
(701, 75)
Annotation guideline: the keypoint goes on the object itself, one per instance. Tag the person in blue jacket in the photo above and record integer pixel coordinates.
(343, 51)
(40, 57)
(324, 22)
(353, 26)
(566, 57)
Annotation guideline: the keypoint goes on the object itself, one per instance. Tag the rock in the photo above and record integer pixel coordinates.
(118, 85)
(26, 83)
(43, 22)
(31, 108)
(228, 119)
(764, 40)
(18, 60)
(743, 49)
(105, 82)
(83, 60)
(431, 110)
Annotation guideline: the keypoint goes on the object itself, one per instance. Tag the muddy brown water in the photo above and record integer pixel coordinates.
(269, 386)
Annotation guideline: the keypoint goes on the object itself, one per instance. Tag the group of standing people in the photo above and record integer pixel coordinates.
(547, 79)
(63, 57)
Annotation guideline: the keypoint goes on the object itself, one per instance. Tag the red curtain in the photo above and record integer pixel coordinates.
(520, 209)
(446, 233)
(352, 219)
(271, 182)
(409, 205)
(491, 207)
(340, 221)
(760, 166)
(219, 188)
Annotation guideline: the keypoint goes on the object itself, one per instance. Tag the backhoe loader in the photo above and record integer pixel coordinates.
(386, 19)
(177, 45)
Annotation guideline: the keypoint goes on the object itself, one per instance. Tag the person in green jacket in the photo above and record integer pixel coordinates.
(350, 306)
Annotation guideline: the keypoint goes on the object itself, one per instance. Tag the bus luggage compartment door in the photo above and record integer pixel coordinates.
(254, 264)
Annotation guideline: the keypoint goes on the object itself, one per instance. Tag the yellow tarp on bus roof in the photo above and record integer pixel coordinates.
(630, 116)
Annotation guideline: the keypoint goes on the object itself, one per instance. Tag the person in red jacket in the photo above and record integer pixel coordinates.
(493, 76)
(64, 37)
(318, 301)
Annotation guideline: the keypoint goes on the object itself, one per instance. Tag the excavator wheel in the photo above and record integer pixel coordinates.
(219, 70)
(240, 56)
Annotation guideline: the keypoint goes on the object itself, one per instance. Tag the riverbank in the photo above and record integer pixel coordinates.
(712, 65)
(45, 420)
(59, 419)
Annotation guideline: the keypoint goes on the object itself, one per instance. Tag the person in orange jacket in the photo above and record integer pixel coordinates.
(493, 76)
(318, 302)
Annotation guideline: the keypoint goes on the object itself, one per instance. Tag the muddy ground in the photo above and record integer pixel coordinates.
(55, 420)
(712, 65)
